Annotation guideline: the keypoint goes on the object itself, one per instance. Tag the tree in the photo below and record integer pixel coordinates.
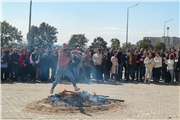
(115, 43)
(126, 46)
(145, 43)
(78, 40)
(160, 46)
(43, 35)
(9, 34)
(34, 35)
(99, 43)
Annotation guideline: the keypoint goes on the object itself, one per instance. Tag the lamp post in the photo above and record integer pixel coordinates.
(29, 23)
(165, 25)
(127, 21)
(167, 31)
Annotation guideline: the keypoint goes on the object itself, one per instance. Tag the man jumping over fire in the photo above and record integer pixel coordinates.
(62, 68)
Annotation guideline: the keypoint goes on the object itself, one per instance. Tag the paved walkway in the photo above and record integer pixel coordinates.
(144, 101)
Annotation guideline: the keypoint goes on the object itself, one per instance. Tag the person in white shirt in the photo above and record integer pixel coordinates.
(157, 67)
(170, 68)
(149, 63)
(34, 61)
(114, 68)
(97, 60)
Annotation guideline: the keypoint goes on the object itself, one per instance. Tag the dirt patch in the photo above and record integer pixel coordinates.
(47, 107)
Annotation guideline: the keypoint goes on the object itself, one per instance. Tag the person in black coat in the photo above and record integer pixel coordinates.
(177, 68)
(137, 65)
(54, 59)
(164, 65)
(44, 65)
(106, 66)
(120, 57)
(14, 64)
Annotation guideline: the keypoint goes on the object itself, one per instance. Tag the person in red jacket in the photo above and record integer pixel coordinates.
(24, 63)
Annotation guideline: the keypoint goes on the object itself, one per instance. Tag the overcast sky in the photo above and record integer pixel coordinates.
(94, 19)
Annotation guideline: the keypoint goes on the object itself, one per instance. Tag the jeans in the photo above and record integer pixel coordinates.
(172, 75)
(148, 71)
(125, 72)
(136, 71)
(120, 70)
(76, 72)
(44, 72)
(157, 74)
(106, 74)
(88, 72)
(53, 70)
(142, 72)
(5, 72)
(130, 71)
(63, 71)
(98, 72)
(33, 71)
(24, 72)
(177, 76)
(115, 76)
(14, 71)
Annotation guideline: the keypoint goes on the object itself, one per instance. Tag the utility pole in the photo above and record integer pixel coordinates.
(29, 23)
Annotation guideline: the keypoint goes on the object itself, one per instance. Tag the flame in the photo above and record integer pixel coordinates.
(69, 93)
(64, 88)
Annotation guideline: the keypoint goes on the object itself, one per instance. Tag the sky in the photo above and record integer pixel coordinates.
(95, 18)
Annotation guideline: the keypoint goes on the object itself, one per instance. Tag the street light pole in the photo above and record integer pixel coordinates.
(127, 22)
(165, 26)
(167, 31)
(29, 23)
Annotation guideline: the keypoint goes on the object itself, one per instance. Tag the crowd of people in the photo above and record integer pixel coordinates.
(36, 63)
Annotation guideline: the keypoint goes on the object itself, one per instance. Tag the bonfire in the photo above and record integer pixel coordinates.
(80, 99)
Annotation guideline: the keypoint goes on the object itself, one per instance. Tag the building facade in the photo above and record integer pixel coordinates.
(168, 41)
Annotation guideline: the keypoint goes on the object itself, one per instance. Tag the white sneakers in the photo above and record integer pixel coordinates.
(51, 91)
(76, 88)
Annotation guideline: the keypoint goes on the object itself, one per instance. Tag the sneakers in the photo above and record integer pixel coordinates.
(51, 91)
(76, 88)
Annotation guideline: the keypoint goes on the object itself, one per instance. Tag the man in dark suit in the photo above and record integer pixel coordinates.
(130, 64)
(120, 57)
(137, 66)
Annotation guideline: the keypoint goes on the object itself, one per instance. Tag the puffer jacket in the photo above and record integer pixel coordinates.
(157, 62)
(146, 62)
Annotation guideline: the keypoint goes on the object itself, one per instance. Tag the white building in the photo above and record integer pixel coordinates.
(169, 41)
